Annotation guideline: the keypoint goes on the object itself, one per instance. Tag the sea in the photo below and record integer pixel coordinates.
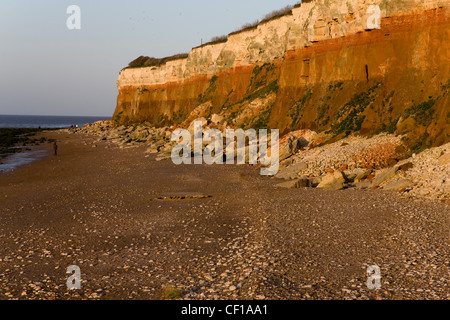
(51, 122)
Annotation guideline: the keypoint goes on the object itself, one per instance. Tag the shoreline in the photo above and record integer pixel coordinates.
(23, 147)
(90, 139)
(226, 233)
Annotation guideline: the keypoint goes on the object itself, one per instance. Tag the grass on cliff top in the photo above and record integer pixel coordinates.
(268, 17)
(145, 61)
(214, 40)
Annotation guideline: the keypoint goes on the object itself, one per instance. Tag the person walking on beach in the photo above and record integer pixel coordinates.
(55, 148)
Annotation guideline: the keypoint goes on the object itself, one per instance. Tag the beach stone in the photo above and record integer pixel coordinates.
(293, 169)
(399, 185)
(334, 187)
(350, 176)
(391, 162)
(406, 166)
(152, 150)
(286, 163)
(384, 176)
(333, 181)
(315, 181)
(304, 183)
(129, 129)
(291, 146)
(216, 119)
(361, 174)
(287, 185)
(164, 156)
(140, 134)
(191, 126)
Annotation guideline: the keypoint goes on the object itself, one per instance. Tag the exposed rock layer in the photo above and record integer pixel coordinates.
(319, 68)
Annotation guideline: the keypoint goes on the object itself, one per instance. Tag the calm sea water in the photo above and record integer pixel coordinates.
(19, 159)
(9, 121)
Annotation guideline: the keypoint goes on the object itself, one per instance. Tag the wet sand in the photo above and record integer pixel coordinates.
(135, 226)
(16, 160)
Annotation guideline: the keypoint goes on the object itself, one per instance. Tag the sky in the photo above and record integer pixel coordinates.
(47, 69)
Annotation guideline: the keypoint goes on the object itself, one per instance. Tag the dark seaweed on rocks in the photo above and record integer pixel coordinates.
(11, 139)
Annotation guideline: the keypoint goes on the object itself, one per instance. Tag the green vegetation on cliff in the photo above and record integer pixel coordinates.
(351, 116)
(144, 61)
(422, 113)
(296, 111)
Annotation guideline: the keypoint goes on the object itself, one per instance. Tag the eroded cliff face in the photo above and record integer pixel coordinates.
(319, 68)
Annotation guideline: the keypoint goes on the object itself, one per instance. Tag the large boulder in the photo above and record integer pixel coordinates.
(333, 181)
(399, 185)
(384, 176)
(359, 174)
(140, 134)
(292, 170)
(191, 126)
(293, 142)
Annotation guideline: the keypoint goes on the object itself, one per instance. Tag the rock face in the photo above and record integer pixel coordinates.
(352, 101)
(318, 68)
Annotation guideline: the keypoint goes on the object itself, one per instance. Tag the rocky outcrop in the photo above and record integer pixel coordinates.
(335, 166)
(318, 68)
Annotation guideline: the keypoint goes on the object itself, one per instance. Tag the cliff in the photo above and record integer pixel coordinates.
(319, 67)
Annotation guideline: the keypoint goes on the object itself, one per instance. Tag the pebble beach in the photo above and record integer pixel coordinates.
(139, 228)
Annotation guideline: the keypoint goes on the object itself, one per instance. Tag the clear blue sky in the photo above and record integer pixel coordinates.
(47, 69)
